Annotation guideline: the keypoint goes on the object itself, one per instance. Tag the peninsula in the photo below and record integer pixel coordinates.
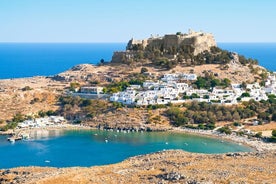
(180, 82)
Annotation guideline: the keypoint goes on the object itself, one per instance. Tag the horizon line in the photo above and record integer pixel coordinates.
(113, 42)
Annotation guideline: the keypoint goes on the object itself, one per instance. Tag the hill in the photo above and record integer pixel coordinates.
(168, 51)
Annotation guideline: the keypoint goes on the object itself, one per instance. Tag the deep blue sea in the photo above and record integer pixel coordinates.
(32, 59)
(37, 59)
(265, 53)
(90, 148)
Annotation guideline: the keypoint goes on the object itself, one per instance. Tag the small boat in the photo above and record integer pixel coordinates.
(47, 161)
(25, 136)
(12, 140)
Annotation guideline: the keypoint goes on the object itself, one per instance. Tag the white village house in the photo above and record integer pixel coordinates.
(171, 90)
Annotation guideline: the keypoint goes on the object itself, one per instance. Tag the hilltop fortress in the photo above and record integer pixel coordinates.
(197, 42)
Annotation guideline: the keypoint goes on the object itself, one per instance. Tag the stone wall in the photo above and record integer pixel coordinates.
(198, 40)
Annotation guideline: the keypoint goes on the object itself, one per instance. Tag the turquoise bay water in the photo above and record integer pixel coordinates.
(32, 59)
(90, 148)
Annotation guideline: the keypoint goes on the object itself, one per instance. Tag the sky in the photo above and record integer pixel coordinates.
(120, 20)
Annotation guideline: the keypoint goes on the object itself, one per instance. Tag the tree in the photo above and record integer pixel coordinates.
(258, 135)
(274, 133)
(50, 113)
(243, 85)
(236, 115)
(226, 82)
(74, 86)
(215, 82)
(200, 82)
(245, 95)
(42, 114)
(236, 124)
(211, 116)
(143, 70)
(273, 118)
(27, 88)
(225, 130)
(264, 116)
(18, 118)
(194, 95)
(273, 137)
(104, 90)
(219, 115)
(228, 116)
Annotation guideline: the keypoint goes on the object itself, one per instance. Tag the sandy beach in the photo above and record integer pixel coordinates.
(255, 143)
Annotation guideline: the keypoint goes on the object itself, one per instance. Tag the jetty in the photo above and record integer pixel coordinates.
(19, 136)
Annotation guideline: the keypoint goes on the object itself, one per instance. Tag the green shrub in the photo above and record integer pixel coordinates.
(236, 124)
(258, 135)
(27, 88)
(225, 130)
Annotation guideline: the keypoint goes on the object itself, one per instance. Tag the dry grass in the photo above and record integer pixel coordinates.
(245, 168)
(266, 129)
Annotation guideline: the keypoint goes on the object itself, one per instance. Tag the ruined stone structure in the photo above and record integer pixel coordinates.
(199, 41)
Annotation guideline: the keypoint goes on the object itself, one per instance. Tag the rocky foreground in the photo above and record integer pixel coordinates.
(161, 167)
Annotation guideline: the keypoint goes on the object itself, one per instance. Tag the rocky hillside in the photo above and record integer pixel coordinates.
(28, 96)
(43, 91)
(161, 167)
(169, 45)
(169, 51)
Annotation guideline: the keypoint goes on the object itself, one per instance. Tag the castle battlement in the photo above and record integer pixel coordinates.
(199, 40)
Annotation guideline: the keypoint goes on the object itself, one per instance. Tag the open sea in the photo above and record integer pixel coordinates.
(44, 59)
(265, 53)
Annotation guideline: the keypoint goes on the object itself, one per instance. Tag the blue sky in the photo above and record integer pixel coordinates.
(119, 20)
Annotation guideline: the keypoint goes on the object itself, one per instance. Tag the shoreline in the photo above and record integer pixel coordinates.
(255, 144)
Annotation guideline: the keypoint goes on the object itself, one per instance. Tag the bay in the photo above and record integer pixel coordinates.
(89, 148)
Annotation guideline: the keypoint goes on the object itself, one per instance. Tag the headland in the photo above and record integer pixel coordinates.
(157, 84)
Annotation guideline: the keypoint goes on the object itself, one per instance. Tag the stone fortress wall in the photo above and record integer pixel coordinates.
(200, 41)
